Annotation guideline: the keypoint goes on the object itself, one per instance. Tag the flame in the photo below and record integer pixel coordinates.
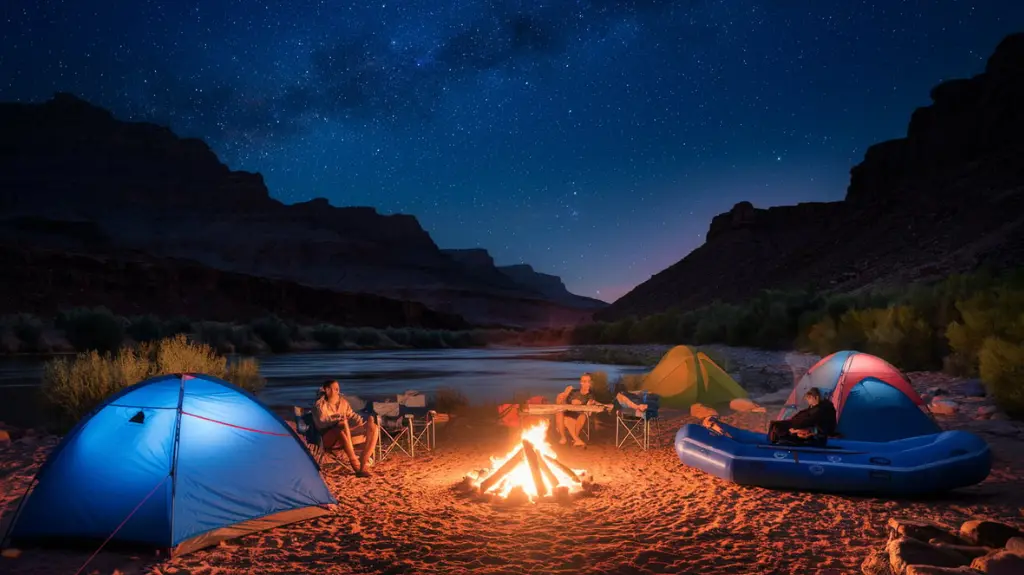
(522, 476)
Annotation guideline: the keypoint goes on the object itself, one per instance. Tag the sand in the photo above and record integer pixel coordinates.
(647, 514)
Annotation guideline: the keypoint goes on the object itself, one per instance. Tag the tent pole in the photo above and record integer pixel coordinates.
(174, 458)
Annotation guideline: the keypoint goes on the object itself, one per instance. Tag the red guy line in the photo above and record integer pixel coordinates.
(233, 425)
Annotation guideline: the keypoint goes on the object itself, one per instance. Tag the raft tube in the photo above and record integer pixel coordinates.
(913, 466)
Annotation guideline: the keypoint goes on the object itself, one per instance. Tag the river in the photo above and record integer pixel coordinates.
(483, 375)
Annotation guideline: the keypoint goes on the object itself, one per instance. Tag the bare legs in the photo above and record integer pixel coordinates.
(573, 425)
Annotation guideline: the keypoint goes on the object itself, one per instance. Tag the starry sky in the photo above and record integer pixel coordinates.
(593, 139)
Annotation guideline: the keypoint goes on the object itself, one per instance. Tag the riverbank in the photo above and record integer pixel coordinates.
(647, 513)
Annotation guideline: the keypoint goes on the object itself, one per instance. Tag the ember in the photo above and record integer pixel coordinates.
(531, 467)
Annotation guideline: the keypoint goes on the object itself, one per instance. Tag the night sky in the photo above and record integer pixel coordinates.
(593, 139)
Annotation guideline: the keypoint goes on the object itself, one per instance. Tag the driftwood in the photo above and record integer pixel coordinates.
(550, 408)
(564, 468)
(502, 471)
(533, 459)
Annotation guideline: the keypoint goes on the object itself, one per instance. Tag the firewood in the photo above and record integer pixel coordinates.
(533, 459)
(564, 468)
(546, 470)
(502, 471)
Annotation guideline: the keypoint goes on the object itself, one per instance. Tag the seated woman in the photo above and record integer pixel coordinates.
(331, 415)
(808, 426)
(574, 422)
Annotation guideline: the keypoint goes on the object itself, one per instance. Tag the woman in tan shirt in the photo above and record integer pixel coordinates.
(331, 415)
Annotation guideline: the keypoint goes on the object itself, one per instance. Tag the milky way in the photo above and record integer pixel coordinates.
(593, 139)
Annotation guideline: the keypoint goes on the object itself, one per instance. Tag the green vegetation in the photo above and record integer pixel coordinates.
(98, 329)
(72, 387)
(970, 325)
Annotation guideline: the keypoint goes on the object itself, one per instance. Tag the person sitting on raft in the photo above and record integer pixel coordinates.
(812, 425)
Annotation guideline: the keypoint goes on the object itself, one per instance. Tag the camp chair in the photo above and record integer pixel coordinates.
(306, 428)
(629, 425)
(404, 428)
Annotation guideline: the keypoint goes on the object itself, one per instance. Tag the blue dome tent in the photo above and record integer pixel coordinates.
(176, 462)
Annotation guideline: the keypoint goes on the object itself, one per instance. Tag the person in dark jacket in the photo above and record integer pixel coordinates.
(811, 425)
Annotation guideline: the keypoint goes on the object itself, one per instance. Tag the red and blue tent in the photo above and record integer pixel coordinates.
(874, 401)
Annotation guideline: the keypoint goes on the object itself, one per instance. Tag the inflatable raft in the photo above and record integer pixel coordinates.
(912, 466)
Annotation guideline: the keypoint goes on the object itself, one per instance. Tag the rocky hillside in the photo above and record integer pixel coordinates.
(479, 262)
(45, 281)
(68, 165)
(946, 198)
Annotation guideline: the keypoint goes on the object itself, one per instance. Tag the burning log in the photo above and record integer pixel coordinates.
(545, 469)
(565, 469)
(533, 459)
(502, 471)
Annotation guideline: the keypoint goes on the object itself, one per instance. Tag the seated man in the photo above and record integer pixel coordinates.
(331, 415)
(622, 396)
(819, 416)
(573, 422)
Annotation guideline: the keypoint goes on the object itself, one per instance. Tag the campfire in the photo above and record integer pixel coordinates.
(530, 471)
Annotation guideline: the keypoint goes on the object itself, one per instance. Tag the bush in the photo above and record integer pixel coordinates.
(74, 387)
(632, 381)
(274, 332)
(1002, 371)
(450, 400)
(601, 387)
(145, 328)
(91, 329)
(27, 329)
(329, 336)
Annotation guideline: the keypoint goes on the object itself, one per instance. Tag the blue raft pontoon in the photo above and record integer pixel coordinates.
(912, 466)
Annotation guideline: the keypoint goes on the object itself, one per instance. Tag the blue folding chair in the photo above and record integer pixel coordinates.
(633, 425)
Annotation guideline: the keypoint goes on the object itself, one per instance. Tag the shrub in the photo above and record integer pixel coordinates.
(27, 329)
(450, 400)
(329, 336)
(1002, 371)
(74, 387)
(274, 332)
(600, 386)
(144, 328)
(992, 313)
(632, 381)
(92, 329)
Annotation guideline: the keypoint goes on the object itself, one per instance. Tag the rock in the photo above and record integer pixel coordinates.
(931, 570)
(971, 551)
(10, 553)
(988, 533)
(5, 437)
(1015, 545)
(905, 551)
(920, 530)
(985, 412)
(877, 563)
(701, 411)
(742, 404)
(944, 406)
(999, 563)
(972, 388)
(774, 398)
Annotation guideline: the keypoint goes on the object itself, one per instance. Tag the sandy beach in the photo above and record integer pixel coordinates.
(647, 514)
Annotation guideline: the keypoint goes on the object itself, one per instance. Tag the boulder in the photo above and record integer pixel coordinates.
(932, 570)
(944, 406)
(742, 404)
(1000, 562)
(971, 551)
(973, 388)
(986, 411)
(700, 411)
(988, 533)
(905, 551)
(1015, 545)
(5, 437)
(877, 563)
(920, 530)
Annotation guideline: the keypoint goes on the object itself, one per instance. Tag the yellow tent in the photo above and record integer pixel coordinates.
(684, 377)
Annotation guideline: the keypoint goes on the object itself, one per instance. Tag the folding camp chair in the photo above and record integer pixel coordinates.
(630, 424)
(405, 429)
